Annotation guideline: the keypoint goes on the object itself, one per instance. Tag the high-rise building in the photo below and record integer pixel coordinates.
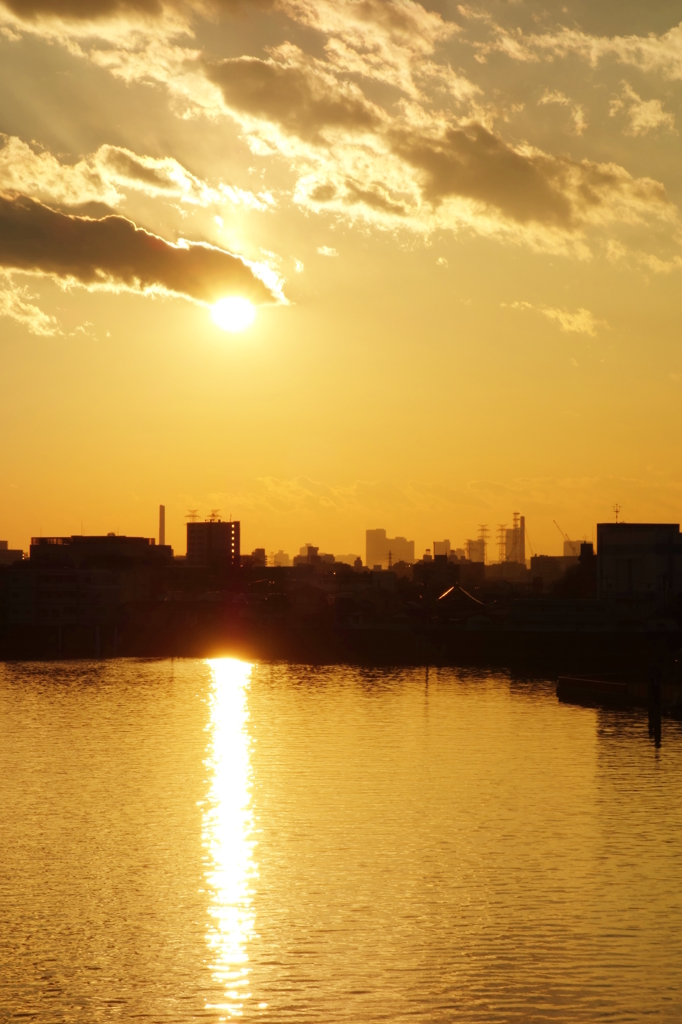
(213, 544)
(441, 547)
(379, 547)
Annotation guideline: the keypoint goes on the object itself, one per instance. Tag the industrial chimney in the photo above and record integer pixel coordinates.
(162, 524)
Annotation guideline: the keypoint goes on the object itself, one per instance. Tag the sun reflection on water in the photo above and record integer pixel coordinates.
(227, 833)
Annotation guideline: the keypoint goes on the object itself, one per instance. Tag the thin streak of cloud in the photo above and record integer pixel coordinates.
(580, 322)
(651, 53)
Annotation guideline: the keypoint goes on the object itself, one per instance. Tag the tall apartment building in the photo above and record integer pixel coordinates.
(381, 549)
(213, 544)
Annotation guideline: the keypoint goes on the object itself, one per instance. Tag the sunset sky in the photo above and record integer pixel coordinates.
(460, 225)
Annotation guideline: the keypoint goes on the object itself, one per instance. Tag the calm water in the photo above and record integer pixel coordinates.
(195, 841)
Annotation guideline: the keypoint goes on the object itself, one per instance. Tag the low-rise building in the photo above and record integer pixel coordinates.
(8, 556)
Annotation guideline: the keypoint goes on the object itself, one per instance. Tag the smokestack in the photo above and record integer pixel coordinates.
(162, 524)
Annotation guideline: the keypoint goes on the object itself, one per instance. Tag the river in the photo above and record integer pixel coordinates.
(206, 840)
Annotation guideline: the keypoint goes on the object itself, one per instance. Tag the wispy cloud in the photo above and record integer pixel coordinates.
(642, 115)
(579, 322)
(15, 302)
(577, 112)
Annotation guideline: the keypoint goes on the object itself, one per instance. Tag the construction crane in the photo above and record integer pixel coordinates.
(567, 539)
(564, 535)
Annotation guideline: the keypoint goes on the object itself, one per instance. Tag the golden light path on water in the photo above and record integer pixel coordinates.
(228, 834)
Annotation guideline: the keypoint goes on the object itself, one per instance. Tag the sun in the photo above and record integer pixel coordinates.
(233, 313)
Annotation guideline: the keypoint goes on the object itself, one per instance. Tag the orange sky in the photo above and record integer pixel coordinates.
(460, 225)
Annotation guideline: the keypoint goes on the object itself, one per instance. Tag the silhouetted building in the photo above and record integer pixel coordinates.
(258, 557)
(475, 550)
(515, 546)
(8, 556)
(81, 550)
(378, 547)
(162, 525)
(213, 544)
(280, 558)
(348, 559)
(551, 568)
(639, 560)
(507, 572)
(441, 547)
(308, 555)
(572, 548)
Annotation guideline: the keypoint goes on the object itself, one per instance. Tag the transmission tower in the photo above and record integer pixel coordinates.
(483, 533)
(502, 542)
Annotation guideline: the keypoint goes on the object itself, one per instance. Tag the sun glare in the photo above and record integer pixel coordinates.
(228, 833)
(233, 313)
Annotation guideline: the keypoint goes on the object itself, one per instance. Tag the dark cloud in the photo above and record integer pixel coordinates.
(476, 164)
(128, 166)
(374, 198)
(295, 96)
(93, 10)
(81, 10)
(37, 239)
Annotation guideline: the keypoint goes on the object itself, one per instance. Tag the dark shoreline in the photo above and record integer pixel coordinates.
(627, 653)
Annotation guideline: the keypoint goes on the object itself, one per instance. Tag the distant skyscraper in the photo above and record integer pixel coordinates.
(162, 524)
(515, 547)
(475, 550)
(441, 547)
(379, 546)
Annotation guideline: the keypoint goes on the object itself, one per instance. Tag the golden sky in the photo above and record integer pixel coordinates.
(460, 226)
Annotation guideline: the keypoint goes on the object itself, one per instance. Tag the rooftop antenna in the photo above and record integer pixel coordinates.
(616, 509)
(214, 515)
(192, 515)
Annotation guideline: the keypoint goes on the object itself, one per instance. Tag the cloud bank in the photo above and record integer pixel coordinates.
(377, 126)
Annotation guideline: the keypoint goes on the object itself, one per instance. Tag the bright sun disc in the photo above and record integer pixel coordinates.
(233, 313)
